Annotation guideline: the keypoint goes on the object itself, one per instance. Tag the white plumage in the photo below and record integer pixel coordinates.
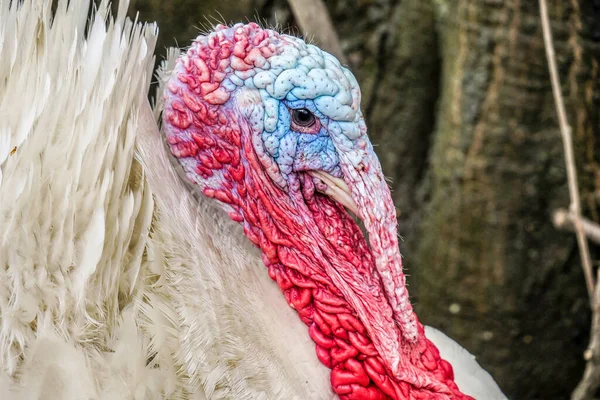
(115, 281)
(114, 274)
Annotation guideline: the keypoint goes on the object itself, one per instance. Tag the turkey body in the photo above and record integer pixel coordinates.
(117, 281)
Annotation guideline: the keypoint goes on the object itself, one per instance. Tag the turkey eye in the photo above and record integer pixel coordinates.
(304, 121)
(303, 118)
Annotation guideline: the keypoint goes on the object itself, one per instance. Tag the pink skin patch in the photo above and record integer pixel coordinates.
(223, 122)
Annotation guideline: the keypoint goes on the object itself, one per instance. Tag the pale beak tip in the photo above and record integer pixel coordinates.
(337, 189)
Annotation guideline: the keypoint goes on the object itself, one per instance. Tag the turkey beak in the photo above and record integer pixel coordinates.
(337, 189)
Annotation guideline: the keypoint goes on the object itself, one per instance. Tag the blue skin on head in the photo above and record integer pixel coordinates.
(302, 76)
(296, 151)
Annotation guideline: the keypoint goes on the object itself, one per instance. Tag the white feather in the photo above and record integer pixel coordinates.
(92, 246)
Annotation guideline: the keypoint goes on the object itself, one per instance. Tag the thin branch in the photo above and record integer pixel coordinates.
(565, 220)
(565, 131)
(591, 378)
(315, 21)
(586, 389)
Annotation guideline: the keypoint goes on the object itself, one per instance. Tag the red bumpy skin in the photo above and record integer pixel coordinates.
(219, 108)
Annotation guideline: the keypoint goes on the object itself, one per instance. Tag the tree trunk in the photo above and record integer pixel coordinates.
(459, 105)
(493, 272)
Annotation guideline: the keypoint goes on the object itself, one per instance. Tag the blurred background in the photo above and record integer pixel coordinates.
(459, 104)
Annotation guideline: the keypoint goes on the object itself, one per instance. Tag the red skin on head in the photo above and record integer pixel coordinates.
(309, 242)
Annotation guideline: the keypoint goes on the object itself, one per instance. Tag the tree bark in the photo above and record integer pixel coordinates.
(494, 273)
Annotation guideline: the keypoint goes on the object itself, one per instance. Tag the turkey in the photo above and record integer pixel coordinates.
(217, 259)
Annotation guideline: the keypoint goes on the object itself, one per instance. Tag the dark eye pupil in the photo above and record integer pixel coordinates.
(303, 117)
